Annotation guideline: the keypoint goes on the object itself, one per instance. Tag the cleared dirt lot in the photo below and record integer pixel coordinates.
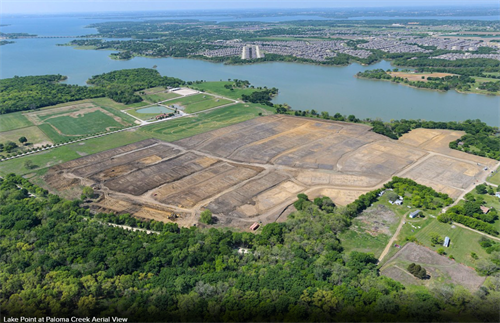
(253, 171)
(440, 268)
(418, 77)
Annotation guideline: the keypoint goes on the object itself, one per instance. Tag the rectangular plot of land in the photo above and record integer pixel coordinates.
(34, 135)
(204, 184)
(323, 154)
(89, 123)
(265, 150)
(203, 138)
(148, 178)
(383, 158)
(446, 171)
(229, 202)
(11, 121)
(135, 160)
(107, 154)
(225, 145)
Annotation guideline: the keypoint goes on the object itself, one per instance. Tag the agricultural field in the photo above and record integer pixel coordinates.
(441, 269)
(12, 121)
(251, 171)
(218, 88)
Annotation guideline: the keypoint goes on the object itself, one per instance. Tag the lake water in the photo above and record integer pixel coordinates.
(303, 86)
(154, 109)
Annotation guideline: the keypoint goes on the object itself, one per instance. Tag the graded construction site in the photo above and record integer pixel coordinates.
(252, 171)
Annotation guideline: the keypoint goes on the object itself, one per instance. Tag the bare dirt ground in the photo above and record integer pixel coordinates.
(252, 171)
(440, 268)
(185, 91)
(377, 220)
(418, 77)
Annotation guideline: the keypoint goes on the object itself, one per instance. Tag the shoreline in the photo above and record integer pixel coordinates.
(422, 88)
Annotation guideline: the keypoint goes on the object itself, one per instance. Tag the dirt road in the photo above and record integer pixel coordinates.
(390, 243)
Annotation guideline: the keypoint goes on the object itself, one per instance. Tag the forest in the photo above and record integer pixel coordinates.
(458, 82)
(261, 96)
(58, 259)
(33, 92)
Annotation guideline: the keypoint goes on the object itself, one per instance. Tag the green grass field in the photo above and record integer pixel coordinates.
(90, 123)
(50, 132)
(463, 241)
(495, 177)
(363, 242)
(203, 122)
(168, 130)
(206, 104)
(162, 96)
(355, 239)
(33, 134)
(198, 102)
(69, 152)
(11, 121)
(108, 103)
(218, 88)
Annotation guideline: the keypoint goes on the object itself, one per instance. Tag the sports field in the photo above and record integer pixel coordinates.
(89, 123)
(11, 121)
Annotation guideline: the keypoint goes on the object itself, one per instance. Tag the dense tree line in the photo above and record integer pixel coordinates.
(458, 82)
(32, 92)
(490, 86)
(261, 96)
(463, 215)
(121, 85)
(57, 259)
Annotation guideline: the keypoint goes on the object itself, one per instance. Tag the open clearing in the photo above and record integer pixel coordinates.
(11, 121)
(76, 120)
(253, 170)
(160, 96)
(418, 76)
(440, 268)
(197, 102)
(34, 135)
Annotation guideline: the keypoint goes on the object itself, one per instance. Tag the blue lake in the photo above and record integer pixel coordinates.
(303, 86)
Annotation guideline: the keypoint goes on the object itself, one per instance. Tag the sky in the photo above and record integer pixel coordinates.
(65, 6)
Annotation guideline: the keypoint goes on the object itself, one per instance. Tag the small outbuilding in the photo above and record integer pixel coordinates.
(484, 209)
(446, 242)
(414, 214)
(254, 226)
